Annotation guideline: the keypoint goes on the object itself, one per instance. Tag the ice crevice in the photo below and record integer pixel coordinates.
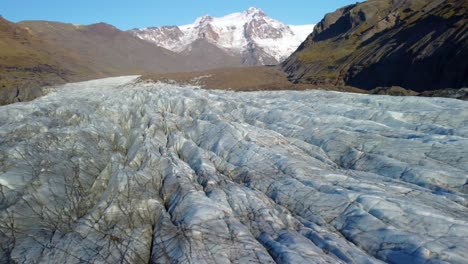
(115, 170)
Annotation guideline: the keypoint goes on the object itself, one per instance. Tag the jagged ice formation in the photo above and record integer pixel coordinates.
(115, 170)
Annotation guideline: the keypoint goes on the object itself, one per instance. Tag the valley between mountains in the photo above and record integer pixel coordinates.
(34, 54)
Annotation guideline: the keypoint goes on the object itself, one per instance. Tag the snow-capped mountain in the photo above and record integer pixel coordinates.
(251, 34)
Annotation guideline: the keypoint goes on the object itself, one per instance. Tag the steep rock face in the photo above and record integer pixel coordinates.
(253, 36)
(113, 171)
(419, 45)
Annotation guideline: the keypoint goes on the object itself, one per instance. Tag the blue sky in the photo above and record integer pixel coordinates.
(143, 13)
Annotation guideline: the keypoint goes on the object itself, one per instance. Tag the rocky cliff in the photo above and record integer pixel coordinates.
(419, 45)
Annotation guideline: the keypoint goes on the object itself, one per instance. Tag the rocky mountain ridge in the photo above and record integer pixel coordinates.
(252, 35)
(418, 45)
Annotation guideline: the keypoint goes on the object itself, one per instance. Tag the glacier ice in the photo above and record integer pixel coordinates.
(119, 171)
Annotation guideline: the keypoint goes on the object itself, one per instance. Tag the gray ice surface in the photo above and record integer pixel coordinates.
(114, 171)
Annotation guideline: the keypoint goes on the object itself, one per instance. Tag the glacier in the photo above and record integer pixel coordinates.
(122, 171)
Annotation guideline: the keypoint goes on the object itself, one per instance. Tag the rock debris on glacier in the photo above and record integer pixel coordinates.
(113, 170)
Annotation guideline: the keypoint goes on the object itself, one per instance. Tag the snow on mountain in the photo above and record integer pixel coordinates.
(116, 171)
(236, 33)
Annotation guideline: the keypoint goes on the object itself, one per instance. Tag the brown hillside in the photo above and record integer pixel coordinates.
(28, 62)
(260, 78)
(106, 49)
(39, 53)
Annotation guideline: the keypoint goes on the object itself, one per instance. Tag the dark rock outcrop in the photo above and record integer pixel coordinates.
(461, 94)
(418, 45)
(394, 90)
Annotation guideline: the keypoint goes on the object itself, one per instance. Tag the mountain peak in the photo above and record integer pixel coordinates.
(254, 11)
(203, 19)
(102, 25)
(103, 28)
(236, 33)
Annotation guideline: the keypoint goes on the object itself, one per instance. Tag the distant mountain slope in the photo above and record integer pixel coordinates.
(251, 35)
(28, 62)
(38, 53)
(106, 49)
(416, 44)
(205, 55)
